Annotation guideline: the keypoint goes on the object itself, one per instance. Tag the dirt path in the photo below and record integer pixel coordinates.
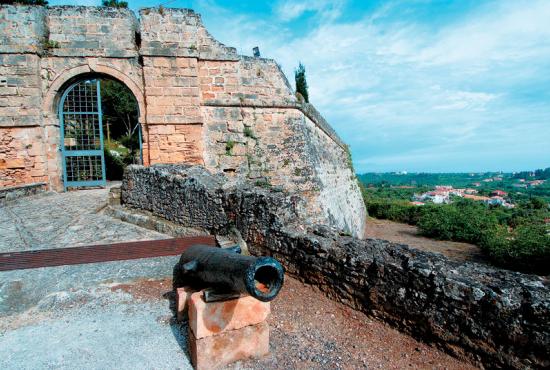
(408, 234)
(310, 331)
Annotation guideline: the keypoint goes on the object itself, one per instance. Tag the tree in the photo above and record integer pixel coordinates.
(115, 3)
(119, 106)
(301, 83)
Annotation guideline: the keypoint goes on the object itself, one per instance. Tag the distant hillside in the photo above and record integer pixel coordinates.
(519, 184)
(455, 179)
(426, 179)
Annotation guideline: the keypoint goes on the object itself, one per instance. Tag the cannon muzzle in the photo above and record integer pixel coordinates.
(227, 272)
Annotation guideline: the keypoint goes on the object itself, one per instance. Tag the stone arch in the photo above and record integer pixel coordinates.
(59, 84)
(51, 121)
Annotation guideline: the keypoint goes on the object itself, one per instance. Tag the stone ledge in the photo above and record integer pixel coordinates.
(149, 221)
(307, 109)
(14, 192)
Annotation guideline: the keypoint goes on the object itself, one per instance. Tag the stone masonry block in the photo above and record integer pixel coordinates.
(183, 295)
(218, 351)
(15, 163)
(207, 319)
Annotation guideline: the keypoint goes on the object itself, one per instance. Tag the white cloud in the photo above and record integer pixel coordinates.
(460, 100)
(288, 10)
(409, 92)
(502, 31)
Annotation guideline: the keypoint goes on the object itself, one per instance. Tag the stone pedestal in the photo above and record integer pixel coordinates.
(217, 351)
(223, 332)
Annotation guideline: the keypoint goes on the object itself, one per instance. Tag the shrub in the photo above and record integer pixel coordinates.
(115, 3)
(526, 248)
(114, 166)
(399, 211)
(517, 238)
(461, 221)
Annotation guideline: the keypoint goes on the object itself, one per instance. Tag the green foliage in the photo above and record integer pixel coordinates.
(130, 142)
(525, 248)
(120, 114)
(301, 82)
(462, 180)
(115, 3)
(50, 44)
(229, 147)
(249, 133)
(349, 158)
(515, 238)
(114, 166)
(540, 174)
(463, 221)
(384, 204)
(398, 211)
(120, 108)
(263, 183)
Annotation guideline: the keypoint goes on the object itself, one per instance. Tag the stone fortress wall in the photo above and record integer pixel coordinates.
(200, 103)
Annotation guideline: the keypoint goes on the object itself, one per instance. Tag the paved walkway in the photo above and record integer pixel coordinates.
(69, 317)
(64, 220)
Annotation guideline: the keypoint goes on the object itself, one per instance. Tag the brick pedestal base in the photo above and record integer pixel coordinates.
(223, 332)
(217, 351)
(207, 319)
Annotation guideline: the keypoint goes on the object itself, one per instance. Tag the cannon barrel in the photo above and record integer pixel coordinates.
(226, 271)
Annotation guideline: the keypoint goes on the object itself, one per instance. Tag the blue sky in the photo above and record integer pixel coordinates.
(435, 86)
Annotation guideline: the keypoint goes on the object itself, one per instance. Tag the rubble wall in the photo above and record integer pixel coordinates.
(493, 317)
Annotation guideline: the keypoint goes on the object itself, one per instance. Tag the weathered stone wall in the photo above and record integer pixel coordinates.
(22, 156)
(89, 31)
(173, 113)
(199, 101)
(282, 148)
(494, 317)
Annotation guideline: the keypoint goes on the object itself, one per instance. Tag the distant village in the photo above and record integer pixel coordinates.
(443, 194)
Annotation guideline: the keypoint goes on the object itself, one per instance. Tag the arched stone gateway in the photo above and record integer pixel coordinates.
(86, 149)
(199, 103)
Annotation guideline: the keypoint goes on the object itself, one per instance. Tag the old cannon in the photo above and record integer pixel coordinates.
(224, 273)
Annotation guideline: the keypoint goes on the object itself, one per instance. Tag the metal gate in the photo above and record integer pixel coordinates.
(82, 135)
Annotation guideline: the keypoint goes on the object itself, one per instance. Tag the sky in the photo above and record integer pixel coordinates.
(415, 85)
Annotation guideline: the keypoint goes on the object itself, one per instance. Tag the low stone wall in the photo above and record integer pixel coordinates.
(14, 192)
(494, 317)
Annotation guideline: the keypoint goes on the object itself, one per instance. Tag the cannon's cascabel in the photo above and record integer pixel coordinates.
(225, 271)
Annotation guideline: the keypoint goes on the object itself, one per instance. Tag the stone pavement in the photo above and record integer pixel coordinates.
(69, 316)
(94, 328)
(58, 220)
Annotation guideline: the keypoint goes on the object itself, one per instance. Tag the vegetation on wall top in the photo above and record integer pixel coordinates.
(301, 82)
(115, 3)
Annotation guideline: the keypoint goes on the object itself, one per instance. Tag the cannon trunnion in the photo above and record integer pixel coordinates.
(225, 273)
